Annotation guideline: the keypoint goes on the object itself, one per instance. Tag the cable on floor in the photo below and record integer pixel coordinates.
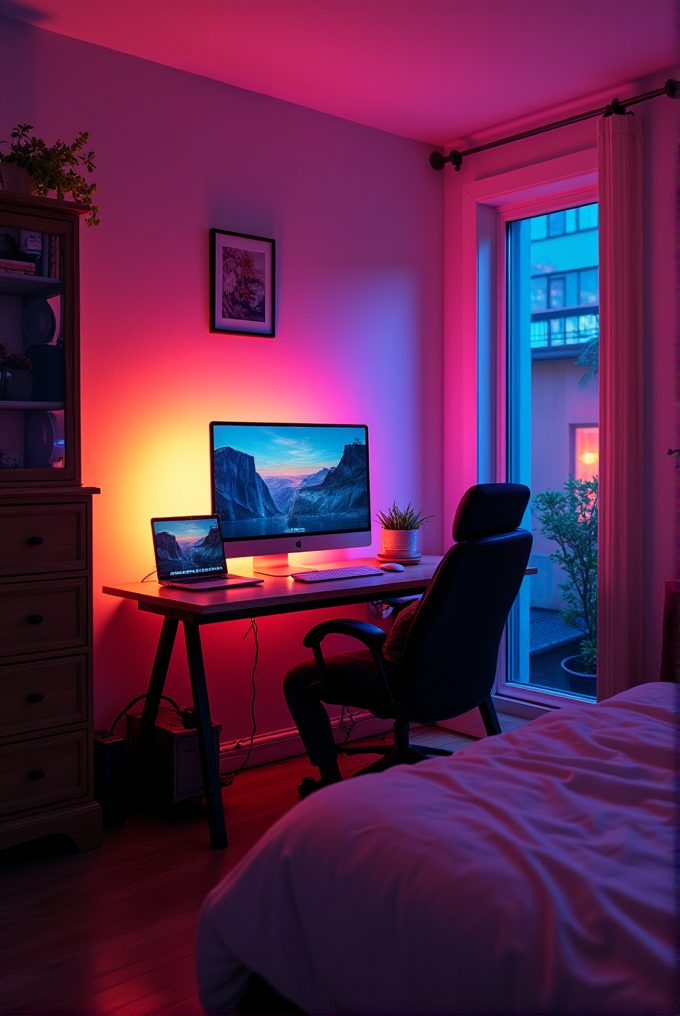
(226, 781)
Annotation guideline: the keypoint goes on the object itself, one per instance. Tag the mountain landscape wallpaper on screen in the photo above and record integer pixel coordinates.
(283, 497)
(183, 551)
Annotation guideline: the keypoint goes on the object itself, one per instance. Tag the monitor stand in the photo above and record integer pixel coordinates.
(278, 564)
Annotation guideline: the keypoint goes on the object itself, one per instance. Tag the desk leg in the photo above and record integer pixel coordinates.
(206, 738)
(153, 698)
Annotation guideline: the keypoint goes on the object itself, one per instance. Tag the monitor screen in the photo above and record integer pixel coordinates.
(187, 546)
(282, 487)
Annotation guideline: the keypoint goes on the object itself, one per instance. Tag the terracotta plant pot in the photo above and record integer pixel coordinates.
(399, 545)
(14, 178)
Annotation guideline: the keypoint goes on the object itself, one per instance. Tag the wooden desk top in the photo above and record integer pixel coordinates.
(277, 594)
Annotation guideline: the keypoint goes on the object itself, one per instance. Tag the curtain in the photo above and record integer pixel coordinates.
(621, 523)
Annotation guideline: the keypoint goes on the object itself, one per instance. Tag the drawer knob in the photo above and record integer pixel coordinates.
(34, 541)
(35, 619)
(36, 774)
(35, 696)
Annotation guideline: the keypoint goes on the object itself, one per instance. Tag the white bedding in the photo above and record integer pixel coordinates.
(528, 873)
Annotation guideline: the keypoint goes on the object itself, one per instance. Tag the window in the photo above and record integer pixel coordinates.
(556, 224)
(575, 289)
(552, 443)
(586, 452)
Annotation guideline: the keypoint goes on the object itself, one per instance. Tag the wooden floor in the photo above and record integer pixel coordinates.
(112, 930)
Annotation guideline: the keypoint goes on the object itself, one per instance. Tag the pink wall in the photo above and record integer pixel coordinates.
(357, 217)
(460, 359)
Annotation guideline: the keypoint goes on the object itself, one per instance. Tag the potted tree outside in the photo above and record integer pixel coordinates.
(570, 518)
(399, 537)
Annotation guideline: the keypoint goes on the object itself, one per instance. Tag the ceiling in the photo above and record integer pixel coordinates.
(433, 70)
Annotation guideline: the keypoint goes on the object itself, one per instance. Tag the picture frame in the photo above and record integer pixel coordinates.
(242, 286)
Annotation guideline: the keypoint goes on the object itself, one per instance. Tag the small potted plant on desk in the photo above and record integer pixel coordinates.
(400, 534)
(30, 166)
(570, 518)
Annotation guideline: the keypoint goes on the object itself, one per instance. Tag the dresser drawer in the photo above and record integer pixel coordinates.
(44, 771)
(42, 538)
(41, 694)
(43, 616)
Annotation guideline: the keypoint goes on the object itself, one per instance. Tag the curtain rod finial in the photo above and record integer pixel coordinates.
(672, 88)
(438, 161)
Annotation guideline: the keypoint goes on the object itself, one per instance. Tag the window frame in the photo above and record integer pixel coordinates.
(505, 692)
(473, 305)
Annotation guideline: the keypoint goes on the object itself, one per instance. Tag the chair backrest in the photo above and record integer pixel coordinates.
(452, 645)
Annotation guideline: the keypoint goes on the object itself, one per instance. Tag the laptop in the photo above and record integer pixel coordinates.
(190, 554)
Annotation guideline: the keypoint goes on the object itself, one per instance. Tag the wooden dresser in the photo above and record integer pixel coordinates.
(46, 777)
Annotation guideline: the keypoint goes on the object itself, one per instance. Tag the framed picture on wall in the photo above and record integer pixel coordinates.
(241, 283)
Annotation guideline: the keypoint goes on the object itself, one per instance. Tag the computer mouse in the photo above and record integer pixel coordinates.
(391, 566)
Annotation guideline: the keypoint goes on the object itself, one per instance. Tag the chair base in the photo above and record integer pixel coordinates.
(386, 749)
(391, 755)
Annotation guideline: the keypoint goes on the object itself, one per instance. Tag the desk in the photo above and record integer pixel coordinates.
(277, 595)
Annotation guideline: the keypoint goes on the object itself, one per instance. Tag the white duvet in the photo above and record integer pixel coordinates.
(528, 873)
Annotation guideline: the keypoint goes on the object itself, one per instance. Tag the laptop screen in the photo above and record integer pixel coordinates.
(188, 547)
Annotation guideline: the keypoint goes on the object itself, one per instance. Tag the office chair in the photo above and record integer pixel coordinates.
(451, 648)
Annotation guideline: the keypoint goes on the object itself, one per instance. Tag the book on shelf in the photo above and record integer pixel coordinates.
(18, 267)
(52, 257)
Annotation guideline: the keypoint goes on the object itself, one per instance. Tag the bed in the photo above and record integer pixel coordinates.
(528, 873)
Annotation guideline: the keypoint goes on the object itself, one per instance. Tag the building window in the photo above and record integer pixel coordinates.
(586, 452)
(564, 276)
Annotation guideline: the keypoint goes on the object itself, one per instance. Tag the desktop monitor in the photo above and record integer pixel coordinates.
(281, 488)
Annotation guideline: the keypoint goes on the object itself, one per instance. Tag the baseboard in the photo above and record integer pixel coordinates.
(512, 713)
(281, 744)
(517, 707)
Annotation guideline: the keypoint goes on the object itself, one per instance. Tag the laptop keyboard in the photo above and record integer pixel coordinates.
(359, 571)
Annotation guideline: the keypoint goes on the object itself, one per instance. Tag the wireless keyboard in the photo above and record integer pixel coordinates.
(359, 571)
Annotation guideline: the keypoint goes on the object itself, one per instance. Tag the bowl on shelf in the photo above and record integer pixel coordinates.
(38, 322)
(45, 440)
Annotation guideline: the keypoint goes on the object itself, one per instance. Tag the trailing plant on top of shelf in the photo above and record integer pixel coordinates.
(52, 168)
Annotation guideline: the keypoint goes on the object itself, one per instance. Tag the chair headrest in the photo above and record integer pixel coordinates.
(490, 508)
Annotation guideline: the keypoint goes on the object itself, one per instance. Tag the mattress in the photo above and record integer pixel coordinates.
(530, 872)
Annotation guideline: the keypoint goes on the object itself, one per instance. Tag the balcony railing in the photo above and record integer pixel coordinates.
(561, 327)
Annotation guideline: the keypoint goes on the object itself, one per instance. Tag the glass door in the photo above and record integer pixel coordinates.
(552, 444)
(37, 426)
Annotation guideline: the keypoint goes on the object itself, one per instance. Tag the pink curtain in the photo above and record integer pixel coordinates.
(621, 522)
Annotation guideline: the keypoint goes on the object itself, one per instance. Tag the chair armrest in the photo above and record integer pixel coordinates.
(371, 636)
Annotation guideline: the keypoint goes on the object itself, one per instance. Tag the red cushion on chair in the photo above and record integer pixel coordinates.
(393, 649)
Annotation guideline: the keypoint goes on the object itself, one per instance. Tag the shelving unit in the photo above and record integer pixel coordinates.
(9, 404)
(12, 284)
(46, 778)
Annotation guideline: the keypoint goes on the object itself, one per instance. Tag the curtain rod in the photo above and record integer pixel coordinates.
(671, 89)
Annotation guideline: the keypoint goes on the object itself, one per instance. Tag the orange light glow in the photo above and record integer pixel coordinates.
(586, 452)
